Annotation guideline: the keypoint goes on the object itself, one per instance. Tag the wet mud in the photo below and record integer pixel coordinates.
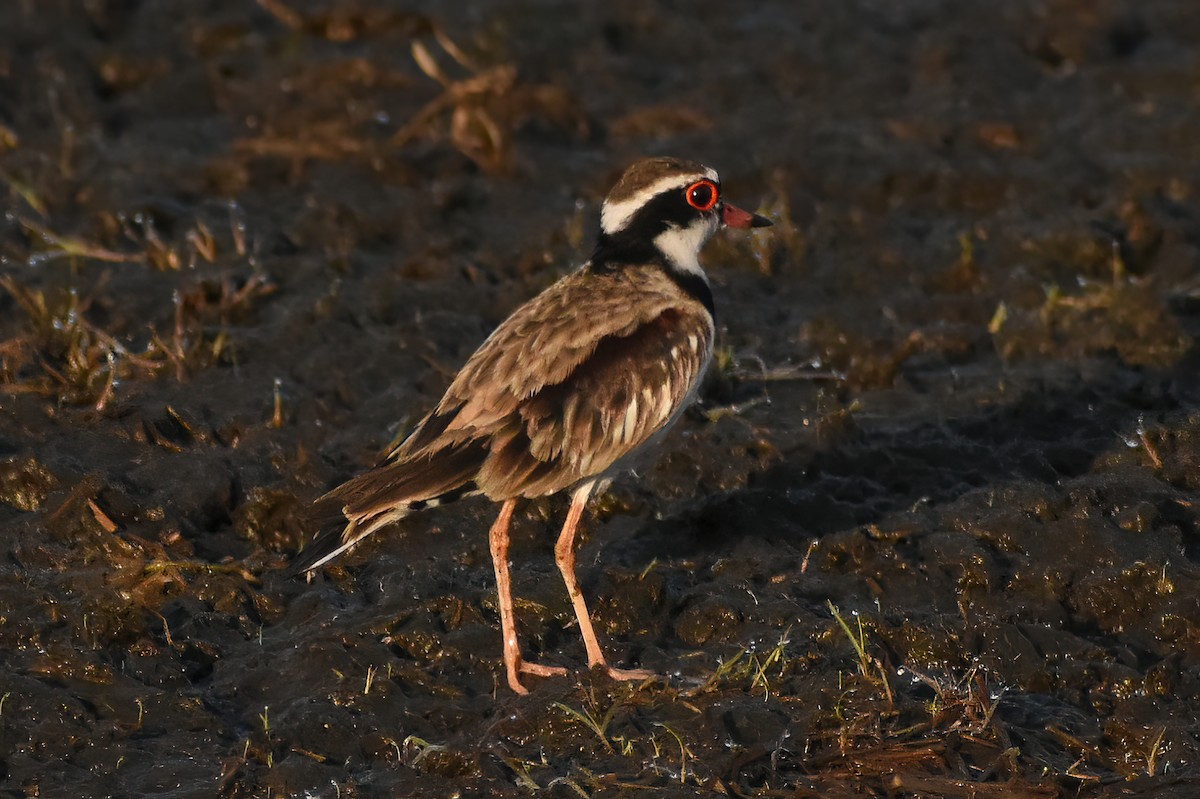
(930, 532)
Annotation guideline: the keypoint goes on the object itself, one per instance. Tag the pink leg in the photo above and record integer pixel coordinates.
(513, 663)
(564, 555)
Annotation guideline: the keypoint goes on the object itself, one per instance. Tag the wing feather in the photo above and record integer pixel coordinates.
(613, 403)
(553, 396)
(546, 340)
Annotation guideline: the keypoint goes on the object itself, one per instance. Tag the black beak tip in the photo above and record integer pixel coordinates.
(760, 221)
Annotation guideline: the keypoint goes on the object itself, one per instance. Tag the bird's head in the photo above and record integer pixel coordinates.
(667, 208)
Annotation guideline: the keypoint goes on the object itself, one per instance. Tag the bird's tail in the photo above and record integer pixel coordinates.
(386, 494)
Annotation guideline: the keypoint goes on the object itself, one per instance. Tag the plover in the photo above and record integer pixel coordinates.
(566, 391)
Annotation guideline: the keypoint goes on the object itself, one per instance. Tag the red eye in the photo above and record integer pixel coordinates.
(702, 195)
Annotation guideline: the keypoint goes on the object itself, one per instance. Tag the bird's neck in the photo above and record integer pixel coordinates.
(675, 248)
(680, 262)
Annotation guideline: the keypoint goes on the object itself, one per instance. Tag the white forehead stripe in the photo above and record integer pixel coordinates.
(615, 216)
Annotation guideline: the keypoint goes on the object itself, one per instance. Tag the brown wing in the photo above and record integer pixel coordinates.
(541, 344)
(627, 390)
(571, 382)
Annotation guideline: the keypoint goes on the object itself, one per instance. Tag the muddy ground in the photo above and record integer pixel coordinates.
(931, 531)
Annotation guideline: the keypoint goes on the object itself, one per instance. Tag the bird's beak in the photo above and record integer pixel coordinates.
(733, 216)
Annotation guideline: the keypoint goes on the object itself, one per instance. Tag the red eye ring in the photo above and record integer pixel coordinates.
(702, 195)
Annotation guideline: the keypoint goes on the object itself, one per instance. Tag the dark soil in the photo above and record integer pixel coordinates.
(932, 530)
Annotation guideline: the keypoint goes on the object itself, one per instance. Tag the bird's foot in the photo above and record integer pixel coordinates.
(540, 670)
(519, 666)
(627, 675)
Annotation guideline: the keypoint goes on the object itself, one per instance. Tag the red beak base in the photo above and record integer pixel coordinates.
(733, 216)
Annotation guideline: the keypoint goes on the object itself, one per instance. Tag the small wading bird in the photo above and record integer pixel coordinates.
(566, 390)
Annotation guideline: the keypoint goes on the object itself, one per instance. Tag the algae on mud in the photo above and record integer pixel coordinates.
(240, 241)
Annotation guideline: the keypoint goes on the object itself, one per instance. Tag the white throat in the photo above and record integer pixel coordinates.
(681, 245)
